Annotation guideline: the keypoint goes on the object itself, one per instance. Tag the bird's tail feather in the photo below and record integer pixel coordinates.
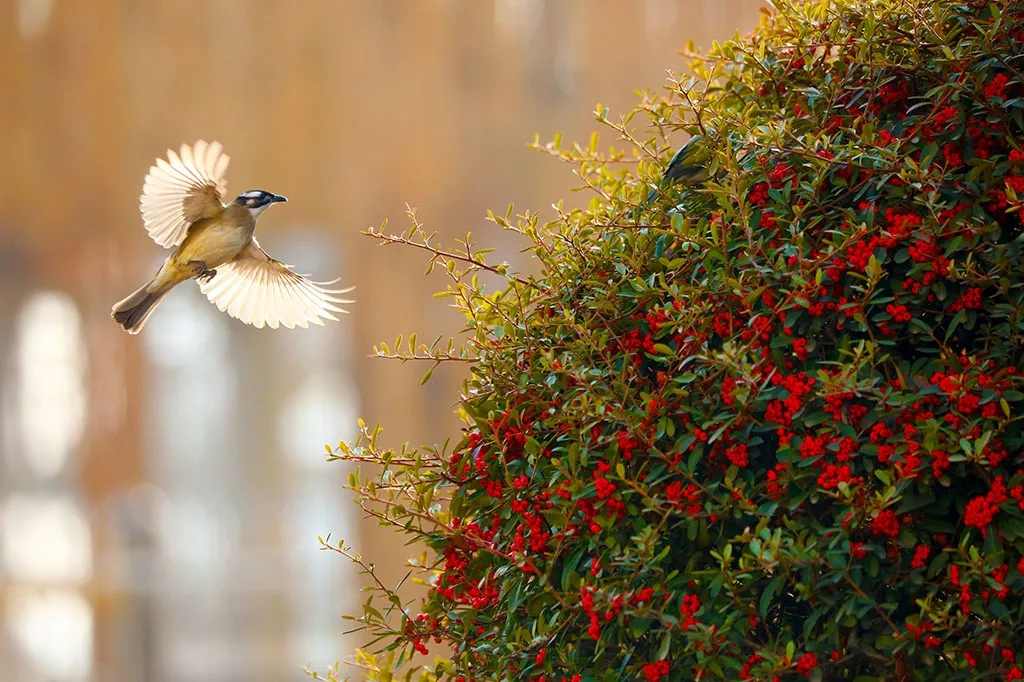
(133, 311)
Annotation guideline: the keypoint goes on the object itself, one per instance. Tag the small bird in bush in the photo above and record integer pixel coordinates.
(182, 208)
(687, 167)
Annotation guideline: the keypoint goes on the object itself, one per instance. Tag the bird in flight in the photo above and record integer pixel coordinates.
(183, 208)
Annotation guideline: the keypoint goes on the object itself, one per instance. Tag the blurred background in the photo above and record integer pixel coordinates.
(161, 495)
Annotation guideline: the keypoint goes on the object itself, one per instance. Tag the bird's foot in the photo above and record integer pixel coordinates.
(200, 271)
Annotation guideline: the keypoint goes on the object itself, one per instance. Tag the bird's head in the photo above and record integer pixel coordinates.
(256, 201)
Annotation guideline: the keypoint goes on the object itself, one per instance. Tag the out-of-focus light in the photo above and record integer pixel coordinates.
(199, 537)
(518, 20)
(184, 329)
(34, 17)
(44, 538)
(54, 629)
(322, 410)
(49, 408)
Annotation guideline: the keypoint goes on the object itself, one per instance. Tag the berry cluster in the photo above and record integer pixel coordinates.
(773, 428)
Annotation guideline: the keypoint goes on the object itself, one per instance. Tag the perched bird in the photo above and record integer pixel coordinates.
(686, 167)
(182, 208)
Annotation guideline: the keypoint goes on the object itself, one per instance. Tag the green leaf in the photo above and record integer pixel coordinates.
(665, 647)
(768, 594)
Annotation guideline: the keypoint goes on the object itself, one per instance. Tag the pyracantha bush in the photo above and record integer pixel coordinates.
(768, 426)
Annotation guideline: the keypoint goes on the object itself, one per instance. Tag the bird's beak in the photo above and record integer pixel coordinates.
(278, 197)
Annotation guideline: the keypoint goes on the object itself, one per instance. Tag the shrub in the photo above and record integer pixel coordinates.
(769, 426)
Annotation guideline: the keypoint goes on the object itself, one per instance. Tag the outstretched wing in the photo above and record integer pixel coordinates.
(183, 189)
(260, 290)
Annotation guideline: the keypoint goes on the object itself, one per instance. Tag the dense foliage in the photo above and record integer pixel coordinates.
(769, 426)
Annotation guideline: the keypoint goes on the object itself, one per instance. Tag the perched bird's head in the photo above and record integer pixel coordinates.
(256, 201)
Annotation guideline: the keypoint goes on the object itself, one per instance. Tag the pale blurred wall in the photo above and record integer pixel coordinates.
(160, 495)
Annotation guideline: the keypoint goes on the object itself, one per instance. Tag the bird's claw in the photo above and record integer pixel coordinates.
(200, 272)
